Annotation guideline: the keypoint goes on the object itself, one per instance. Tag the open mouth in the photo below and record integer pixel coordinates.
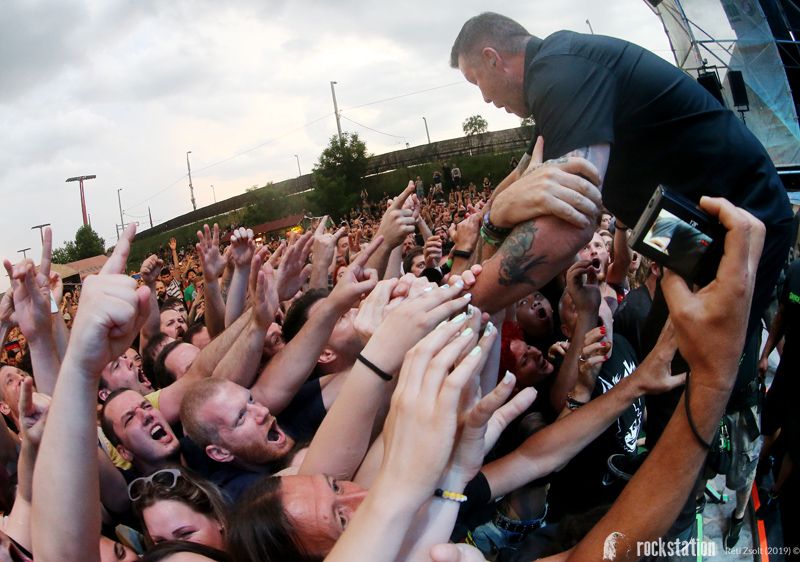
(157, 432)
(596, 263)
(274, 434)
(541, 313)
(142, 378)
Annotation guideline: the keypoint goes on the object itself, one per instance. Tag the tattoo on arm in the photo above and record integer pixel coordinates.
(518, 257)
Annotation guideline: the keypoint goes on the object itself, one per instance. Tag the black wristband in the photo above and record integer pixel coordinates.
(374, 368)
(462, 254)
(492, 229)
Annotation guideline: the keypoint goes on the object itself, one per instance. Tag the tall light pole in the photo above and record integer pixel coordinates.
(590, 26)
(80, 179)
(41, 230)
(121, 220)
(191, 189)
(299, 173)
(336, 110)
(24, 253)
(426, 130)
(214, 193)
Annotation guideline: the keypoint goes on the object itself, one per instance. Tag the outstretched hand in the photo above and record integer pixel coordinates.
(111, 313)
(357, 279)
(566, 188)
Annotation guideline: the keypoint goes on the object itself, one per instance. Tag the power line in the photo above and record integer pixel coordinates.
(371, 129)
(405, 95)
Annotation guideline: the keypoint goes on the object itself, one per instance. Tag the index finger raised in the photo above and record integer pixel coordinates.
(116, 263)
(400, 200)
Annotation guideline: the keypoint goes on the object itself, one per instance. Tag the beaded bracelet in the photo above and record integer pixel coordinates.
(451, 496)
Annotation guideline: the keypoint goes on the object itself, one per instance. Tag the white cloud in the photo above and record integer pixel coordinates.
(123, 89)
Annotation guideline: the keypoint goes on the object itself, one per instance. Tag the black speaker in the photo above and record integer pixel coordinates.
(738, 91)
(710, 82)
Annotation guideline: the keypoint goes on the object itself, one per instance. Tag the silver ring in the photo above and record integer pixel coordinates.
(582, 358)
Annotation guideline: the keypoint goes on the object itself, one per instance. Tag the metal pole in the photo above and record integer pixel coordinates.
(336, 111)
(80, 179)
(426, 130)
(150, 215)
(214, 193)
(41, 230)
(24, 253)
(83, 205)
(191, 189)
(590, 26)
(121, 220)
(299, 173)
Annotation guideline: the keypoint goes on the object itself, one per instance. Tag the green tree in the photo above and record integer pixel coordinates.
(337, 175)
(475, 125)
(87, 244)
(527, 122)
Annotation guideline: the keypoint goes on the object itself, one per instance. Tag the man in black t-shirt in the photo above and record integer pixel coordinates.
(640, 121)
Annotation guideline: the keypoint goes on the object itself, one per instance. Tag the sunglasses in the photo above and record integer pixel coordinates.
(166, 477)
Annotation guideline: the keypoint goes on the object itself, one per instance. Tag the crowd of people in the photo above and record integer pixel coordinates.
(413, 383)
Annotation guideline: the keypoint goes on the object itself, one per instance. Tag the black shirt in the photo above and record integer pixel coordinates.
(663, 127)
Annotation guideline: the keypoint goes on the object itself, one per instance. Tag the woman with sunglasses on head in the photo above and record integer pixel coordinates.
(173, 504)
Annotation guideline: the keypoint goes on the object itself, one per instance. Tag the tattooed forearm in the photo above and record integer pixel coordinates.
(518, 258)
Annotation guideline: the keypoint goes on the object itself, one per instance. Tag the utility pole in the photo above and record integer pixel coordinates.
(191, 189)
(590, 26)
(121, 220)
(426, 130)
(336, 111)
(41, 230)
(214, 193)
(24, 253)
(150, 215)
(80, 179)
(299, 173)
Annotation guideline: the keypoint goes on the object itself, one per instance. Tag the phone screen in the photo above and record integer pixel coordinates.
(682, 244)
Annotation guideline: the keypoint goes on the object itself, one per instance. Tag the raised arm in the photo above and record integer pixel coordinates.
(322, 254)
(713, 318)
(149, 270)
(213, 264)
(618, 269)
(32, 312)
(288, 370)
(342, 440)
(66, 475)
(551, 448)
(396, 224)
(552, 210)
(242, 249)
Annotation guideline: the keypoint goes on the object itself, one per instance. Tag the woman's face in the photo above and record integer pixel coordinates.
(535, 315)
(167, 520)
(320, 507)
(113, 551)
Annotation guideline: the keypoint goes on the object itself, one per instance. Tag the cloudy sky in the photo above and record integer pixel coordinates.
(123, 89)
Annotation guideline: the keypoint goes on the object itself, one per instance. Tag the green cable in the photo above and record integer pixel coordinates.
(699, 519)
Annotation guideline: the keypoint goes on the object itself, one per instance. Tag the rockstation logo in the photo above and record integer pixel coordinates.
(615, 543)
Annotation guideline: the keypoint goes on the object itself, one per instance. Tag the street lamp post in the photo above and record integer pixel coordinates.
(121, 220)
(336, 110)
(191, 189)
(24, 253)
(80, 179)
(41, 230)
(214, 193)
(299, 173)
(426, 130)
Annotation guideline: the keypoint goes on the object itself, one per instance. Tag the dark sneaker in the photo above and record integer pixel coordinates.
(732, 534)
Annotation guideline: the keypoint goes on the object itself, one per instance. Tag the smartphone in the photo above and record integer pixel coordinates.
(677, 234)
(420, 191)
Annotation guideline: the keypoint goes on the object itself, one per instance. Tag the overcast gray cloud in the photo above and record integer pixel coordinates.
(123, 89)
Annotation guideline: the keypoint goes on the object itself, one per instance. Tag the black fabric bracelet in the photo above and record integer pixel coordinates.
(496, 230)
(374, 368)
(697, 436)
(462, 254)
